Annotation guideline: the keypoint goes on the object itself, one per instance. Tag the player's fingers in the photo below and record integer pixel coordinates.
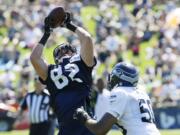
(67, 19)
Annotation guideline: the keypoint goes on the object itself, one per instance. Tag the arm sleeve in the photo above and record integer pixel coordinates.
(95, 62)
(117, 104)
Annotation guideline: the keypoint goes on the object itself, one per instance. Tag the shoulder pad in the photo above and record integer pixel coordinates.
(75, 58)
(119, 92)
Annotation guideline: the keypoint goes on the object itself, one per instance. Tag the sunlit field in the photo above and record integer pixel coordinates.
(25, 132)
(163, 132)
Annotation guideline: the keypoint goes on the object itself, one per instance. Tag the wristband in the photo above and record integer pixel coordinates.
(71, 27)
(44, 39)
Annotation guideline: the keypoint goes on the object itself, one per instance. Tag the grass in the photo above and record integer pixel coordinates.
(25, 132)
(163, 132)
(142, 61)
(87, 14)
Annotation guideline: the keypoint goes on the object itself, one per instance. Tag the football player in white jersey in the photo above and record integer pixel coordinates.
(129, 107)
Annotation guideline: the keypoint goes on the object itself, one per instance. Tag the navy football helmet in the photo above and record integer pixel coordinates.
(61, 50)
(123, 74)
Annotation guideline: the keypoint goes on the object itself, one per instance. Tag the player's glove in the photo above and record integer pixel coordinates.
(47, 26)
(81, 115)
(47, 31)
(68, 22)
(68, 19)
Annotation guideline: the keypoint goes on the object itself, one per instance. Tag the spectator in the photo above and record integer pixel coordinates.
(112, 42)
(25, 73)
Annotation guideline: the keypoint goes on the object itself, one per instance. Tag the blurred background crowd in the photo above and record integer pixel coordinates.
(144, 32)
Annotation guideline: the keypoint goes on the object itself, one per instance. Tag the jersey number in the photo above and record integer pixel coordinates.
(146, 111)
(61, 80)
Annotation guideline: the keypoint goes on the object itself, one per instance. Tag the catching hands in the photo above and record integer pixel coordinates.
(47, 31)
(81, 115)
(67, 20)
(47, 28)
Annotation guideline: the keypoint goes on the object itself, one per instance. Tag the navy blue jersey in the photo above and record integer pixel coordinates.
(69, 85)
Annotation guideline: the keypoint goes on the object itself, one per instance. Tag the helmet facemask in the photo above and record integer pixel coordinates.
(112, 81)
(62, 50)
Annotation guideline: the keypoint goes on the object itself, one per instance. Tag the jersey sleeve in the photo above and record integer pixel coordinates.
(78, 57)
(117, 103)
(42, 81)
(95, 62)
(48, 76)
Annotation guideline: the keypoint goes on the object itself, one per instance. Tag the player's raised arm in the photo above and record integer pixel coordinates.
(36, 56)
(86, 51)
(53, 20)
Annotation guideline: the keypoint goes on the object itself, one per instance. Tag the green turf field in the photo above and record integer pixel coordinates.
(163, 132)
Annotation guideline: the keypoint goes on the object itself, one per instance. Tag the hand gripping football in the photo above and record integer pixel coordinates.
(56, 17)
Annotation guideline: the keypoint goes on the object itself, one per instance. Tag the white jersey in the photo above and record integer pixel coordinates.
(102, 103)
(133, 110)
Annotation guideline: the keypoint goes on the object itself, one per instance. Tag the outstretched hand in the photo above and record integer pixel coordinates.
(47, 31)
(47, 28)
(67, 20)
(81, 115)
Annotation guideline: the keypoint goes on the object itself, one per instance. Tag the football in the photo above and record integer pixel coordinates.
(56, 17)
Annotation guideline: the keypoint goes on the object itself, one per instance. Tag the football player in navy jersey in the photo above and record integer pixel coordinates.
(69, 79)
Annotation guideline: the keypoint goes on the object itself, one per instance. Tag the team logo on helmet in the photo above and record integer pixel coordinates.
(123, 74)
